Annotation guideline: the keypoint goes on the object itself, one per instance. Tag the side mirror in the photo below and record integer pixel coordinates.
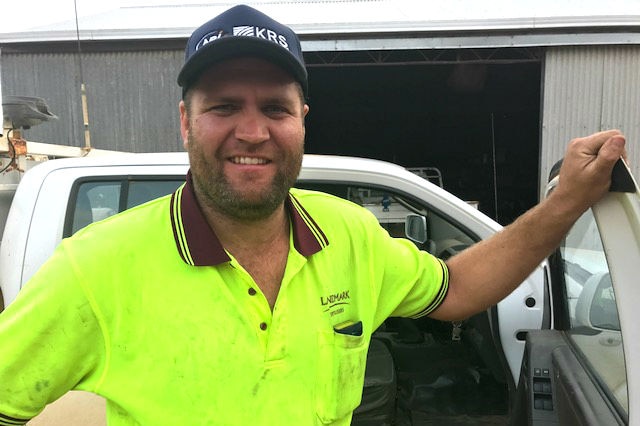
(415, 228)
(603, 312)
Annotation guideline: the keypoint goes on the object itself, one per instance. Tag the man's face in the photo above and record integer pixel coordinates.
(244, 130)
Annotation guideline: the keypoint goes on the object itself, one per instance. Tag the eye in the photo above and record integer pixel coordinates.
(275, 110)
(223, 109)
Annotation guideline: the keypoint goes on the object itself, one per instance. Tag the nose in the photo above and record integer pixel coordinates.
(252, 127)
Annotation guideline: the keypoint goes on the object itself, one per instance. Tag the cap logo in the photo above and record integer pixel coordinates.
(208, 38)
(238, 32)
(263, 33)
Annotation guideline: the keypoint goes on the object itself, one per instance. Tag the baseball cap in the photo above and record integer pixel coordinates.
(242, 31)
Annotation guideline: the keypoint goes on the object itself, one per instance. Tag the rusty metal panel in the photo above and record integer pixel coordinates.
(588, 89)
(132, 97)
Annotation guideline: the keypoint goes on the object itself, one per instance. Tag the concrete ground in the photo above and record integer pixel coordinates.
(86, 409)
(73, 409)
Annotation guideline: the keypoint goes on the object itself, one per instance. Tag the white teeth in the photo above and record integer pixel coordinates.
(248, 160)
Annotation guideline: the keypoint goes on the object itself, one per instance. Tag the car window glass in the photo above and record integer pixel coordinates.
(97, 200)
(593, 315)
(147, 190)
(444, 238)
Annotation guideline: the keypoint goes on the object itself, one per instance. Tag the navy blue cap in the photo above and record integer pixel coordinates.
(242, 31)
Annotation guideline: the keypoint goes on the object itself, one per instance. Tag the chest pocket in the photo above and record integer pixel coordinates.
(342, 360)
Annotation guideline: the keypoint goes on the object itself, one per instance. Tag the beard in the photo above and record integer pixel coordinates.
(216, 192)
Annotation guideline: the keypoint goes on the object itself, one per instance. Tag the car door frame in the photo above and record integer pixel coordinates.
(557, 385)
(618, 218)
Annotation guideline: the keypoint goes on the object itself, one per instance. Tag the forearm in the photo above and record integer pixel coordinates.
(484, 274)
(487, 272)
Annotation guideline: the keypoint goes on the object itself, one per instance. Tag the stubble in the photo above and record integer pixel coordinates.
(216, 192)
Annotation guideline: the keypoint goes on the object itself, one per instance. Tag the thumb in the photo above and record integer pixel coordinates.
(612, 150)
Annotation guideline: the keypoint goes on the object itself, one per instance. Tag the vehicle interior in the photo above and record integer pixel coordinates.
(424, 371)
(419, 372)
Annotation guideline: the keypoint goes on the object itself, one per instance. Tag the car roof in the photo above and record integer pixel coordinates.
(310, 161)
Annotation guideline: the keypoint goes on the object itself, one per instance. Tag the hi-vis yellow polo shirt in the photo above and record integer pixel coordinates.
(148, 310)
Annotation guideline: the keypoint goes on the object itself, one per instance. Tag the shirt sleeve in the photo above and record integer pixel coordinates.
(51, 342)
(412, 283)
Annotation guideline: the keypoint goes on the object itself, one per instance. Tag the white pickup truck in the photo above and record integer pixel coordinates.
(496, 367)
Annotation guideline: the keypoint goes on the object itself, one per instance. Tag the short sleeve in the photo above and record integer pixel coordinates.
(51, 341)
(413, 283)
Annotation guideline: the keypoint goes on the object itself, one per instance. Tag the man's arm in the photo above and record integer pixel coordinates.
(485, 273)
(51, 341)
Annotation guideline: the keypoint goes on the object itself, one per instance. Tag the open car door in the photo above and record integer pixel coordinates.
(583, 371)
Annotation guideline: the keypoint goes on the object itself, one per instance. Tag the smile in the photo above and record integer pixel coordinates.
(248, 160)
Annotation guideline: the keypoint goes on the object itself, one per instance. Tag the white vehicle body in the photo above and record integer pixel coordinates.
(36, 220)
(543, 347)
(40, 216)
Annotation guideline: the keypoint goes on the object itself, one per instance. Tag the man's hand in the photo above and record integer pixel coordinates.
(484, 274)
(585, 175)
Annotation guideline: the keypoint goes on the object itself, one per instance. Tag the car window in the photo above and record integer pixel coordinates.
(593, 316)
(443, 237)
(141, 191)
(99, 198)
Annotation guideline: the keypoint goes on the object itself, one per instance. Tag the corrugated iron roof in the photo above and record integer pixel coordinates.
(349, 17)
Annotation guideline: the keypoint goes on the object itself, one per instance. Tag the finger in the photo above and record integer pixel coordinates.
(624, 156)
(612, 149)
(592, 144)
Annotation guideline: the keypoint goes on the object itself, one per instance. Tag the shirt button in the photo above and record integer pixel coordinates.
(252, 291)
(263, 326)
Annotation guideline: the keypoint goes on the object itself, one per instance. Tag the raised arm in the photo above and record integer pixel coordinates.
(485, 273)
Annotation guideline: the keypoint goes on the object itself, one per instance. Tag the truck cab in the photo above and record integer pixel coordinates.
(421, 368)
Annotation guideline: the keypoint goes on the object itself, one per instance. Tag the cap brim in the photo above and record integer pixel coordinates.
(233, 47)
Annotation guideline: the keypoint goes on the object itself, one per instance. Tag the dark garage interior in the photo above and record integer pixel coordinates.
(477, 121)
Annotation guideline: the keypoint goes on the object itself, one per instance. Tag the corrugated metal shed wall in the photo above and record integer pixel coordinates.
(132, 97)
(588, 89)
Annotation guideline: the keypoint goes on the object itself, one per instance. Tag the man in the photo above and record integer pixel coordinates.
(216, 319)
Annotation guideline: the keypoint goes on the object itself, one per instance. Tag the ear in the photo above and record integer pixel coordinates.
(305, 111)
(184, 124)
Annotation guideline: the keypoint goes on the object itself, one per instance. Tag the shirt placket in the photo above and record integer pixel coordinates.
(253, 302)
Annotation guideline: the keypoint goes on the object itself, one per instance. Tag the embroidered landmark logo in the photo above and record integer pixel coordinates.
(335, 302)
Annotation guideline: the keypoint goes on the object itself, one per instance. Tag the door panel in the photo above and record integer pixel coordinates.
(579, 399)
(535, 384)
(583, 371)
(558, 388)
(618, 217)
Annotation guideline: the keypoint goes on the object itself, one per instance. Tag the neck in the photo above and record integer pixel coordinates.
(241, 234)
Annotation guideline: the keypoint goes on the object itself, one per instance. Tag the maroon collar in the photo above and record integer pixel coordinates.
(198, 245)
